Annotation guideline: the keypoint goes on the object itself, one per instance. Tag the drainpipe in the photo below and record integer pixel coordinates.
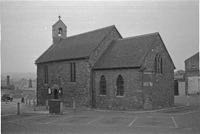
(92, 88)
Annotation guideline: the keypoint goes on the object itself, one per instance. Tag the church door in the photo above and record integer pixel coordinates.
(55, 94)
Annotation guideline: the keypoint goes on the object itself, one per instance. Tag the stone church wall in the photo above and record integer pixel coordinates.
(140, 85)
(59, 73)
(162, 90)
(132, 98)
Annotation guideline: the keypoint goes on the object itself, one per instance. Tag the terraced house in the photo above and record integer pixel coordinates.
(101, 69)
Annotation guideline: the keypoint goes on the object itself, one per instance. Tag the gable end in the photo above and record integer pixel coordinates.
(163, 44)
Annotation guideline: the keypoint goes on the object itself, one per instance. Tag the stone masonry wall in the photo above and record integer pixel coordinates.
(59, 74)
(41, 90)
(162, 88)
(132, 98)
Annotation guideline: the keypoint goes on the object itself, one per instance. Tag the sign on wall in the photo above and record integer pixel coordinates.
(147, 84)
(147, 79)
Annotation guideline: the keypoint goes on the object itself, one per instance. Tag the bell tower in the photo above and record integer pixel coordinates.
(59, 31)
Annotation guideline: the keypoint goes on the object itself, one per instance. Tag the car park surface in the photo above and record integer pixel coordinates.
(181, 119)
(104, 122)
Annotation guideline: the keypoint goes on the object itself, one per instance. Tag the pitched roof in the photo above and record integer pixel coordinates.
(127, 52)
(59, 21)
(195, 55)
(78, 46)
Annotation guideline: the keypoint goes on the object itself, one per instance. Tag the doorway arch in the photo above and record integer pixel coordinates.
(55, 94)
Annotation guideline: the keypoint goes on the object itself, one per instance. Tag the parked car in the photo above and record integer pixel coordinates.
(6, 97)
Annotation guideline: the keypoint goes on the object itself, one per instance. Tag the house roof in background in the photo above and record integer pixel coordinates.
(195, 55)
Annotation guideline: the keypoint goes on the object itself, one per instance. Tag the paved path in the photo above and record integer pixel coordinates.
(183, 120)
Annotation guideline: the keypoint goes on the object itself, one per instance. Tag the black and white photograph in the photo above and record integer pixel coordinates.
(100, 67)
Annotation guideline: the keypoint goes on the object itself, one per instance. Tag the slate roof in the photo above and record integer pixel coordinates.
(59, 21)
(195, 55)
(127, 52)
(75, 47)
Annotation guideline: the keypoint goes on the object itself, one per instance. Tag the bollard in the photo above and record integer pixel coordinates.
(18, 108)
(61, 107)
(74, 105)
(32, 103)
(47, 105)
(34, 106)
(188, 101)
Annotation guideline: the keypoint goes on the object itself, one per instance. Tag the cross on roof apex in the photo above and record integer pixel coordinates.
(59, 17)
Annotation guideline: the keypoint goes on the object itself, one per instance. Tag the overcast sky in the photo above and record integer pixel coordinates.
(26, 26)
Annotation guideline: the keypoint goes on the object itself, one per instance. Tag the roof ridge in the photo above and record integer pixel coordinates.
(91, 31)
(138, 36)
(110, 46)
(102, 40)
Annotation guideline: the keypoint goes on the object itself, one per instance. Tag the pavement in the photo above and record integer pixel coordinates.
(183, 120)
(10, 108)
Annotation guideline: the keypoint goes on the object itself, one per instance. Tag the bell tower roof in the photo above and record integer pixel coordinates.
(59, 30)
(59, 21)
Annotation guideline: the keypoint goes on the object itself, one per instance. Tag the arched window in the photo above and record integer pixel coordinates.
(120, 86)
(161, 66)
(102, 85)
(59, 31)
(158, 64)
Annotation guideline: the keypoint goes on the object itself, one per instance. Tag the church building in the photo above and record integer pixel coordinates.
(101, 69)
